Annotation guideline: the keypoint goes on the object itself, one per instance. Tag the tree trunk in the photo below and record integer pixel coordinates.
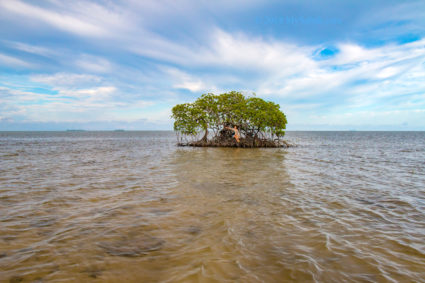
(205, 137)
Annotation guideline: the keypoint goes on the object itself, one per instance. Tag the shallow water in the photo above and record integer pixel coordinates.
(131, 206)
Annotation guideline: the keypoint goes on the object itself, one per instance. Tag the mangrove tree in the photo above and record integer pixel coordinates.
(211, 121)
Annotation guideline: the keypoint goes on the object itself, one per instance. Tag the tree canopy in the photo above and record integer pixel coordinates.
(255, 118)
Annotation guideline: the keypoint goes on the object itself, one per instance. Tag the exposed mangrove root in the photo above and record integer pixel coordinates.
(223, 141)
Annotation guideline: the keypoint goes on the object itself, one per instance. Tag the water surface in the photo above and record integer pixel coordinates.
(131, 206)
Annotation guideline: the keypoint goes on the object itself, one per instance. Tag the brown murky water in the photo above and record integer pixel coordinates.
(133, 207)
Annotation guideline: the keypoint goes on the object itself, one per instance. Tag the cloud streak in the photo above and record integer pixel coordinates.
(100, 61)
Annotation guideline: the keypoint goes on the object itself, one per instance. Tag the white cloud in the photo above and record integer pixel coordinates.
(256, 54)
(61, 21)
(356, 77)
(94, 64)
(67, 79)
(227, 50)
(29, 48)
(78, 97)
(353, 53)
(287, 70)
(387, 72)
(13, 62)
(79, 17)
(183, 80)
(89, 94)
(392, 65)
(193, 86)
(383, 117)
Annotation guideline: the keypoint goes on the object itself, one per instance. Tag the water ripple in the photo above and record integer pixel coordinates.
(131, 206)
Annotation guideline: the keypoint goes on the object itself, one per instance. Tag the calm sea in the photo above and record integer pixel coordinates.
(133, 207)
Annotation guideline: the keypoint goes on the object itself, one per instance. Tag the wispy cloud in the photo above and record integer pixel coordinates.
(94, 64)
(13, 61)
(77, 97)
(29, 48)
(132, 61)
(66, 79)
(81, 17)
(61, 21)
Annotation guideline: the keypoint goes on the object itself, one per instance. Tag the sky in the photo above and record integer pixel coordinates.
(105, 65)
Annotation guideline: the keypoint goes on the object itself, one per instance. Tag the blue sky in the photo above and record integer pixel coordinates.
(102, 65)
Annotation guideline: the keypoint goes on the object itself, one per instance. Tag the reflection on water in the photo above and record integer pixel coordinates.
(133, 207)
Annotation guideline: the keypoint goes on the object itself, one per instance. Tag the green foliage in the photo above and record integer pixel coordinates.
(253, 116)
(185, 119)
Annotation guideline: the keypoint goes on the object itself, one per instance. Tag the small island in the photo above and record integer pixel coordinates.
(214, 121)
